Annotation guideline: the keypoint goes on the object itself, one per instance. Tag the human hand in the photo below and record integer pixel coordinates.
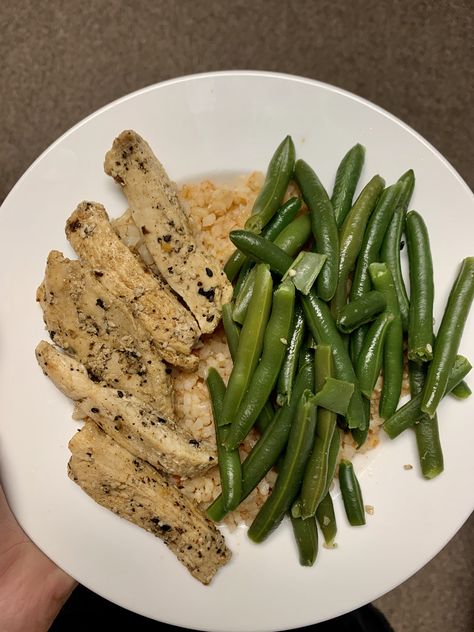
(32, 588)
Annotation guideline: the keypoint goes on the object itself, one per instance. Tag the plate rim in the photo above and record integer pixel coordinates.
(241, 73)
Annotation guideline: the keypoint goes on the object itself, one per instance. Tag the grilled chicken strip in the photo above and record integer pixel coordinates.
(94, 327)
(170, 325)
(156, 210)
(133, 424)
(132, 237)
(134, 490)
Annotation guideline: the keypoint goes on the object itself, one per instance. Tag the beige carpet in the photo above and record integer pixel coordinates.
(61, 60)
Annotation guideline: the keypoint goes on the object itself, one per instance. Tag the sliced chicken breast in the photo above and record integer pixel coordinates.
(157, 212)
(170, 325)
(132, 423)
(134, 490)
(132, 237)
(97, 329)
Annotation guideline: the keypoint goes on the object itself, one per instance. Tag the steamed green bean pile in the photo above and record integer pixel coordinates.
(320, 311)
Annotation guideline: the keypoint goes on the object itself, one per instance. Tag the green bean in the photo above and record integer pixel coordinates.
(290, 240)
(390, 254)
(230, 470)
(260, 249)
(449, 336)
(284, 216)
(291, 472)
(370, 359)
(327, 520)
(266, 373)
(306, 353)
(373, 238)
(356, 340)
(266, 417)
(295, 510)
(279, 173)
(335, 395)
(408, 180)
(333, 457)
(323, 224)
(245, 270)
(360, 434)
(429, 446)
(290, 363)
(314, 482)
(420, 315)
(461, 391)
(323, 329)
(390, 250)
(426, 430)
(352, 235)
(306, 537)
(393, 347)
(305, 269)
(250, 344)
(406, 416)
(243, 298)
(234, 264)
(216, 510)
(360, 311)
(351, 494)
(347, 177)
(271, 444)
(232, 331)
(417, 375)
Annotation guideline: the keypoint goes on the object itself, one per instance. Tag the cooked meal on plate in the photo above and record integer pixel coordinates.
(230, 348)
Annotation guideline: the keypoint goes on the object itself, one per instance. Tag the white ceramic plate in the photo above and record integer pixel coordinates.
(221, 124)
